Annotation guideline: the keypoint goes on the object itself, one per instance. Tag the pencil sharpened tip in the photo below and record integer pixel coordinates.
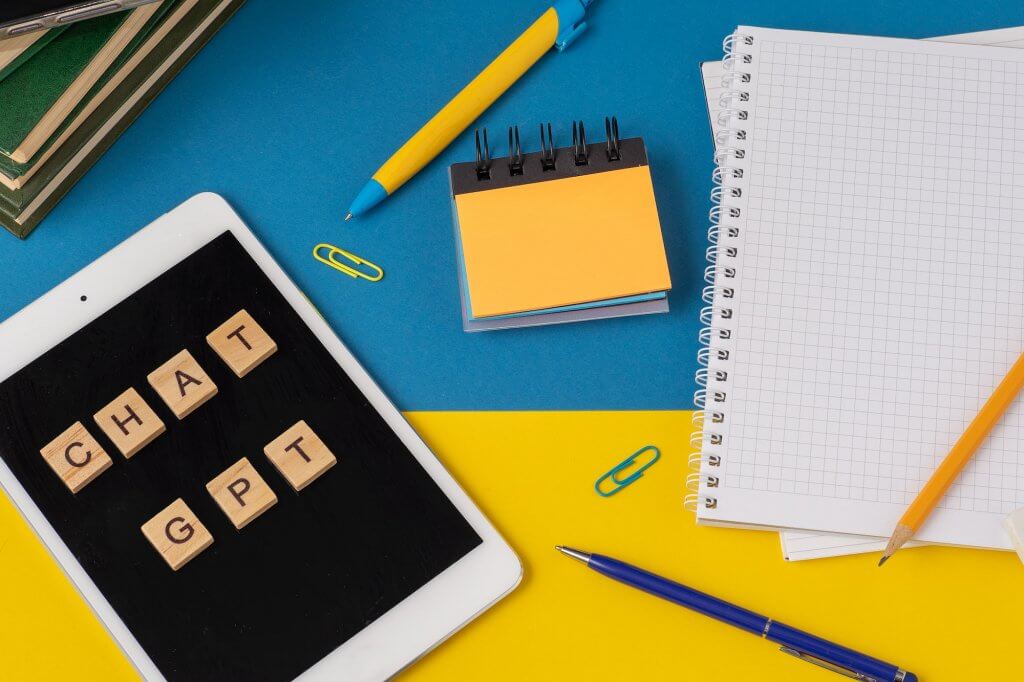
(348, 217)
(883, 560)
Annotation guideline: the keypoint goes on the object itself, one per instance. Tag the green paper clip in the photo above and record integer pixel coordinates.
(372, 272)
(625, 464)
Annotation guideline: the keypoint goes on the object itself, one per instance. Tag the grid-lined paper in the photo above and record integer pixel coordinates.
(881, 292)
(799, 545)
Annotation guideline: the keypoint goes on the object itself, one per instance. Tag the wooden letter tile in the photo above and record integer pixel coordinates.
(300, 455)
(129, 422)
(177, 534)
(182, 384)
(76, 457)
(242, 493)
(241, 343)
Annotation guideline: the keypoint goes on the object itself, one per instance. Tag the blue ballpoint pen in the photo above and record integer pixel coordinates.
(794, 642)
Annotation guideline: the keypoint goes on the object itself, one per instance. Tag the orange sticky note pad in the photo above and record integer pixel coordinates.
(561, 242)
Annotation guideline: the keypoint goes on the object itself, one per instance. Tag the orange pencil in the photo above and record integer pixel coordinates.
(991, 412)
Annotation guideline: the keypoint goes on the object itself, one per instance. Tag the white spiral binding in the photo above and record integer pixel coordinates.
(715, 356)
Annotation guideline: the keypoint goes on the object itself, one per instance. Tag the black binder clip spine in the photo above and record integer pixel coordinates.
(483, 157)
(580, 151)
(515, 152)
(547, 148)
(611, 129)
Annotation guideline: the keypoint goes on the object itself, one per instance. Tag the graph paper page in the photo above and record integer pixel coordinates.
(880, 292)
(801, 545)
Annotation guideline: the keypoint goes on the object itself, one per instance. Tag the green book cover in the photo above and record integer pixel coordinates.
(13, 169)
(28, 93)
(13, 201)
(52, 181)
(28, 52)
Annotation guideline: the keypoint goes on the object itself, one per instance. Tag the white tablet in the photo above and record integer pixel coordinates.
(223, 482)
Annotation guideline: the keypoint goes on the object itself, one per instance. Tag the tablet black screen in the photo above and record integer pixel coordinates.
(267, 601)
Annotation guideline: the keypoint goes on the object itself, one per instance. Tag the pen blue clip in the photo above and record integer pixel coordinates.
(621, 483)
(827, 665)
(570, 21)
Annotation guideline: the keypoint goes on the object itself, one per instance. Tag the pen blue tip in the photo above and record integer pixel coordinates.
(574, 553)
(369, 196)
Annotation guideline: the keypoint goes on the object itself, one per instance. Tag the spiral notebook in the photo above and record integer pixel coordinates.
(802, 545)
(560, 235)
(865, 284)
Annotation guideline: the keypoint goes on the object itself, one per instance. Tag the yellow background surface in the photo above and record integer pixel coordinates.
(946, 614)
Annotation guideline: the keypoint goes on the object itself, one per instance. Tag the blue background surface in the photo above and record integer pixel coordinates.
(293, 105)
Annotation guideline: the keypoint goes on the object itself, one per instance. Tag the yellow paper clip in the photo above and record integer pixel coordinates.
(375, 274)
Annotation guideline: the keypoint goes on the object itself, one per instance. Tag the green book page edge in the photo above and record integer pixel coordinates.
(28, 93)
(31, 50)
(13, 169)
(10, 211)
(13, 200)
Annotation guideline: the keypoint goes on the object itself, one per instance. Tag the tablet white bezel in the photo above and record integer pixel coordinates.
(400, 636)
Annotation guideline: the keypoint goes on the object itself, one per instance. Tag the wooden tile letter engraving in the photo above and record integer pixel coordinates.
(182, 384)
(76, 457)
(241, 343)
(242, 493)
(129, 422)
(177, 534)
(300, 455)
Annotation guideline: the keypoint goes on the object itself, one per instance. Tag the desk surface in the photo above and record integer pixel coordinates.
(535, 482)
(287, 116)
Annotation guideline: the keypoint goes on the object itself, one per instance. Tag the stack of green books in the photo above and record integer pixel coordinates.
(68, 93)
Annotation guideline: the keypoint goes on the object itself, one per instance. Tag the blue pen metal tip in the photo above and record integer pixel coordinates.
(574, 553)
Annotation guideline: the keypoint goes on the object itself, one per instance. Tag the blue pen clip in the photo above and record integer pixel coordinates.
(827, 665)
(570, 21)
(621, 483)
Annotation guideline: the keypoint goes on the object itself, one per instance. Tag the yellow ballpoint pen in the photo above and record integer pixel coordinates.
(560, 25)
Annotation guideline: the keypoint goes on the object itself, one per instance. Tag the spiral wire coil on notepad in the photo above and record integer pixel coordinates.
(716, 317)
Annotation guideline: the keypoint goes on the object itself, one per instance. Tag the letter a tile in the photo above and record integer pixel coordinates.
(177, 534)
(129, 422)
(182, 384)
(76, 457)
